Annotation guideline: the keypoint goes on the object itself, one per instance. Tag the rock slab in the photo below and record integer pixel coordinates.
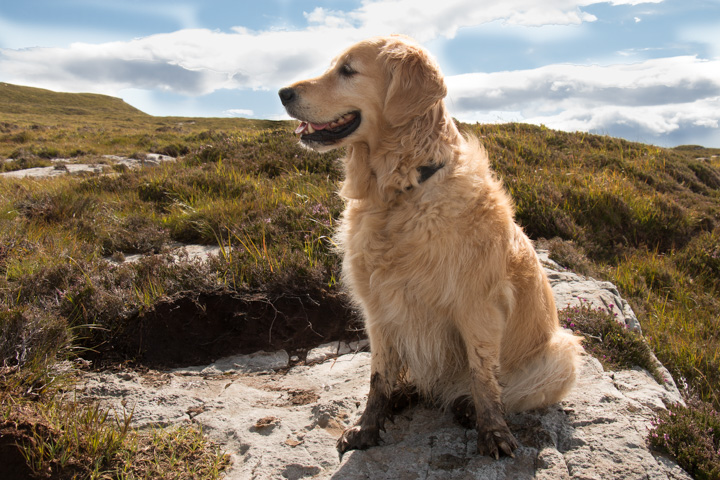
(63, 166)
(285, 425)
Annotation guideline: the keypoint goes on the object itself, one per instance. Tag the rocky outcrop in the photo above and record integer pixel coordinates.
(280, 422)
(64, 166)
(571, 290)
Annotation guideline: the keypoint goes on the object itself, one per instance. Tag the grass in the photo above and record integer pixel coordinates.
(60, 439)
(640, 216)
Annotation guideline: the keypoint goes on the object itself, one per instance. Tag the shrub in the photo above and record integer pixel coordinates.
(614, 344)
(701, 257)
(48, 152)
(22, 137)
(571, 256)
(30, 336)
(691, 435)
(135, 233)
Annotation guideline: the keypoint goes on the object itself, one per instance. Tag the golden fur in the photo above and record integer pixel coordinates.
(454, 298)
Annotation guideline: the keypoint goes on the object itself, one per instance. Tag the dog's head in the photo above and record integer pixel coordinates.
(378, 84)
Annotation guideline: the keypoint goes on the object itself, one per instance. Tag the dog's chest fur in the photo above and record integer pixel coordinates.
(402, 267)
(422, 248)
(395, 254)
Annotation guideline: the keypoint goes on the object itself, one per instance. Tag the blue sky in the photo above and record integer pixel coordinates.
(643, 70)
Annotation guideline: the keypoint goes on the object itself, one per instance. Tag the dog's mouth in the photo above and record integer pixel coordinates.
(331, 132)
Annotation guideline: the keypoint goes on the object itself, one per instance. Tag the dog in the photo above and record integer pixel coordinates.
(454, 298)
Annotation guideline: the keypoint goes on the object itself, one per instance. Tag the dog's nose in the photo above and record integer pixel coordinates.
(287, 95)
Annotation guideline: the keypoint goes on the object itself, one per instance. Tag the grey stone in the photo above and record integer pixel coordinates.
(64, 166)
(334, 349)
(251, 363)
(571, 290)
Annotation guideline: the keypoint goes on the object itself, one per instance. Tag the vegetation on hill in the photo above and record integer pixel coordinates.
(27, 101)
(643, 217)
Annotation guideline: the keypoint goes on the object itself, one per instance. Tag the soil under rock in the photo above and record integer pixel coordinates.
(14, 466)
(197, 328)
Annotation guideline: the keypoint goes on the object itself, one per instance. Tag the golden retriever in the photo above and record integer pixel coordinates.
(454, 298)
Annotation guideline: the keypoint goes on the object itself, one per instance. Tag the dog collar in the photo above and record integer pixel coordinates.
(427, 171)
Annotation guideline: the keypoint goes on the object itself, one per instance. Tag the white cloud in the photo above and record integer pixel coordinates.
(655, 97)
(429, 19)
(199, 61)
(329, 18)
(193, 62)
(238, 112)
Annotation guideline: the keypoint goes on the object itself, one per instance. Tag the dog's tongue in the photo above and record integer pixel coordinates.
(304, 125)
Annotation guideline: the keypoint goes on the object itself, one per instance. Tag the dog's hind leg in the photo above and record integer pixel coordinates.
(494, 436)
(483, 352)
(385, 367)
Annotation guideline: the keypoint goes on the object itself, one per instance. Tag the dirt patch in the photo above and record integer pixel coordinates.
(14, 466)
(194, 328)
(16, 432)
(297, 396)
(268, 423)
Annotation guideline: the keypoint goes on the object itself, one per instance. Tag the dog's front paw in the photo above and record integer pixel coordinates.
(358, 438)
(496, 441)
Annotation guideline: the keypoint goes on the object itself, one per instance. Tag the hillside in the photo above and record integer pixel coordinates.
(20, 100)
(643, 217)
(37, 125)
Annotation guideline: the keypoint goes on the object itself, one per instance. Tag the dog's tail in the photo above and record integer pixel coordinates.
(546, 378)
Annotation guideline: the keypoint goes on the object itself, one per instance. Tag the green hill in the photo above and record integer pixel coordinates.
(37, 124)
(19, 100)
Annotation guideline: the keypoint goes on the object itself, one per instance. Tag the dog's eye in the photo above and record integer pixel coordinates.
(347, 71)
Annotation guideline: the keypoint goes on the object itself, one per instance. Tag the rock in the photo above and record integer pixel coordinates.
(334, 349)
(252, 363)
(55, 171)
(62, 166)
(149, 159)
(179, 252)
(285, 424)
(571, 290)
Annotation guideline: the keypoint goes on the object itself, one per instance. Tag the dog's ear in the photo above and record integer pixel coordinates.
(415, 83)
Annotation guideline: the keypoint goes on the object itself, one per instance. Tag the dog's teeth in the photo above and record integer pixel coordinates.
(310, 129)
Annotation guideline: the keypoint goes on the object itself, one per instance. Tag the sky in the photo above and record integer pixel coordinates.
(646, 71)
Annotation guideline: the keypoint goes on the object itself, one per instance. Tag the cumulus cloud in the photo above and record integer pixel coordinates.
(199, 61)
(652, 98)
(429, 20)
(239, 112)
(194, 62)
